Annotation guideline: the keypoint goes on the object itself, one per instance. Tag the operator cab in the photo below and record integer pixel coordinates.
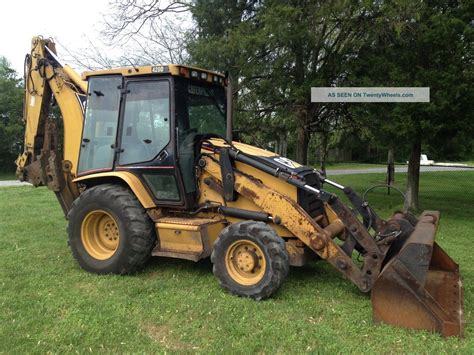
(147, 121)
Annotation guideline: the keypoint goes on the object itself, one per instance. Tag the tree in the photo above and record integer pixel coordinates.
(136, 32)
(428, 46)
(278, 50)
(153, 31)
(11, 127)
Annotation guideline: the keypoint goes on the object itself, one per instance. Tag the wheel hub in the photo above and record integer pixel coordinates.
(100, 235)
(245, 262)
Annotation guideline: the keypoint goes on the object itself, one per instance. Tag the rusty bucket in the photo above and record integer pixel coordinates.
(420, 287)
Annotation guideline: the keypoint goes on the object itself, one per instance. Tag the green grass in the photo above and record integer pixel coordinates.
(348, 166)
(452, 193)
(48, 304)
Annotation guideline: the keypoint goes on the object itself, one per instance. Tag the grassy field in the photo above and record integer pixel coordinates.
(48, 304)
(347, 166)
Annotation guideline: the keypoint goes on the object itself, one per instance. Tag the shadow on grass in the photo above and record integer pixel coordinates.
(315, 275)
(162, 264)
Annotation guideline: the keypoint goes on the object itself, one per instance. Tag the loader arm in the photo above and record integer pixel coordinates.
(289, 214)
(414, 283)
(45, 160)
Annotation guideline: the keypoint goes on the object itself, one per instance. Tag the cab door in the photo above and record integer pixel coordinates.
(98, 145)
(146, 147)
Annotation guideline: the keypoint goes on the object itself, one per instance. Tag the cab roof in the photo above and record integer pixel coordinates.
(170, 69)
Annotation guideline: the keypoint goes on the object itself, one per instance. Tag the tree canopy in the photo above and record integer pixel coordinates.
(278, 50)
(11, 107)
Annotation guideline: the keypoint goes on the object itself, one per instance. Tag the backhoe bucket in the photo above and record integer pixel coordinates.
(420, 286)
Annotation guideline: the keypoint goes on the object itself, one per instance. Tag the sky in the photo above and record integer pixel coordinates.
(69, 22)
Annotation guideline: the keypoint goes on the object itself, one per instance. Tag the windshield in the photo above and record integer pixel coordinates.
(201, 107)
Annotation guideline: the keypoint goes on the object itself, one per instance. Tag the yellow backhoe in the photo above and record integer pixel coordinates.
(143, 163)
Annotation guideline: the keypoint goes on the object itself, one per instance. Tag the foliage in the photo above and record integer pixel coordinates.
(278, 50)
(430, 46)
(11, 127)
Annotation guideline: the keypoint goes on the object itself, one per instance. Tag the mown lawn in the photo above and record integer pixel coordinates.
(48, 304)
(347, 166)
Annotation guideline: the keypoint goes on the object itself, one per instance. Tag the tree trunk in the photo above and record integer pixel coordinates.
(413, 178)
(281, 144)
(302, 145)
(324, 151)
(284, 145)
(390, 169)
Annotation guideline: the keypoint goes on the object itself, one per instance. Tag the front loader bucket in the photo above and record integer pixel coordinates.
(420, 286)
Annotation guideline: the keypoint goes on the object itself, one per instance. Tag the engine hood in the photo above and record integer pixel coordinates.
(269, 158)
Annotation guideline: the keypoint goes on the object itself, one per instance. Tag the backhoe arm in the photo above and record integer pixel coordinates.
(45, 160)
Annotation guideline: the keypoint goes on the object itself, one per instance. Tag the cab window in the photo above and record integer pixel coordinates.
(100, 126)
(146, 121)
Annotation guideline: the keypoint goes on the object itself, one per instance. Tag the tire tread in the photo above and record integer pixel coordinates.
(139, 228)
(277, 258)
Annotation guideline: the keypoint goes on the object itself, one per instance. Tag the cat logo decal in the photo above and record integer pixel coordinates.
(286, 162)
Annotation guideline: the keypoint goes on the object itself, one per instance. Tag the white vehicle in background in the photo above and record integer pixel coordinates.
(424, 160)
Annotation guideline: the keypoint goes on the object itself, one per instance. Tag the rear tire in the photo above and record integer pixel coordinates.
(109, 231)
(250, 260)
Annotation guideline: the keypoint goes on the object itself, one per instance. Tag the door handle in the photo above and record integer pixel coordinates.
(86, 140)
(163, 155)
(147, 141)
(116, 149)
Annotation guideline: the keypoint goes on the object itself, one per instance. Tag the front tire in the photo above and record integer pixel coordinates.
(109, 231)
(250, 260)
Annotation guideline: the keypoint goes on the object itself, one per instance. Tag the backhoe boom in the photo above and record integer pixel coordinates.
(46, 160)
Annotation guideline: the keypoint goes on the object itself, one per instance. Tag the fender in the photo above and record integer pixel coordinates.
(132, 181)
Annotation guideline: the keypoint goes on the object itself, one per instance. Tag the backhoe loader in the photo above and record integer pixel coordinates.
(143, 164)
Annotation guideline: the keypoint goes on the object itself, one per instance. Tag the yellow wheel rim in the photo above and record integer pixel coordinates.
(100, 235)
(245, 262)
